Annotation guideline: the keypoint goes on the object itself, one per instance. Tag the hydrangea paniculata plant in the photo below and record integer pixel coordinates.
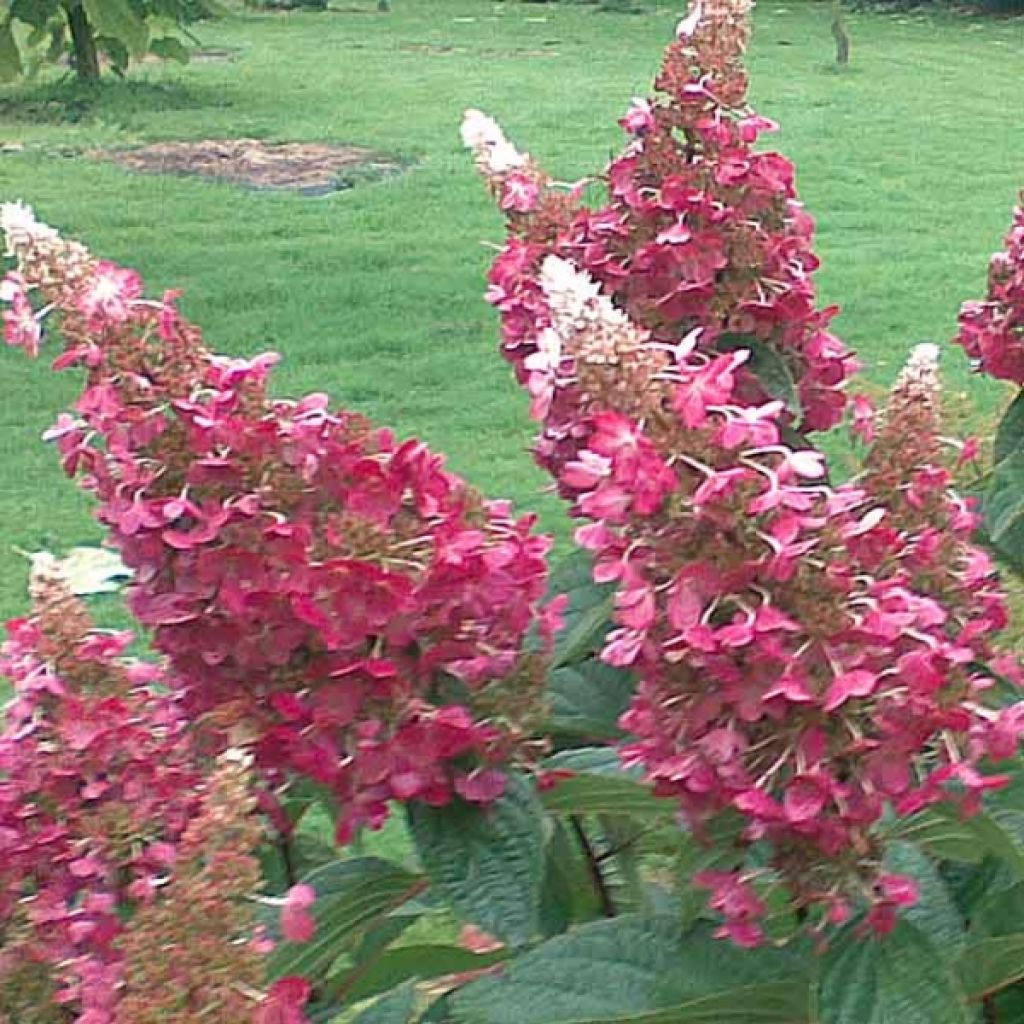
(328, 596)
(992, 331)
(806, 654)
(700, 230)
(103, 804)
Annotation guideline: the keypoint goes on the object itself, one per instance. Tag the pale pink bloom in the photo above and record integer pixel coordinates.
(297, 923)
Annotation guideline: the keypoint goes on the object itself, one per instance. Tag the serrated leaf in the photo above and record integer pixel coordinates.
(568, 895)
(588, 613)
(898, 978)
(992, 836)
(587, 698)
(592, 761)
(487, 862)
(351, 896)
(1010, 432)
(991, 964)
(639, 968)
(777, 1003)
(972, 885)
(767, 365)
(605, 794)
(945, 833)
(1003, 507)
(403, 963)
(1000, 912)
(10, 58)
(942, 836)
(394, 1008)
(935, 912)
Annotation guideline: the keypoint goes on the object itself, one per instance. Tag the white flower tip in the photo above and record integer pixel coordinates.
(18, 223)
(926, 353)
(557, 273)
(689, 24)
(478, 130)
(494, 153)
(16, 212)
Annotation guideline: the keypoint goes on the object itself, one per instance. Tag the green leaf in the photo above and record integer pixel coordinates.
(993, 836)
(991, 964)
(33, 12)
(1010, 432)
(587, 699)
(10, 58)
(935, 912)
(405, 962)
(487, 862)
(351, 896)
(1003, 508)
(170, 48)
(899, 978)
(603, 794)
(643, 969)
(949, 838)
(591, 761)
(767, 365)
(589, 612)
(776, 1003)
(394, 1008)
(972, 885)
(116, 20)
(568, 894)
(1009, 1004)
(1000, 912)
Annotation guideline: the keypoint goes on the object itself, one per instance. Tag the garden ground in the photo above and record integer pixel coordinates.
(910, 159)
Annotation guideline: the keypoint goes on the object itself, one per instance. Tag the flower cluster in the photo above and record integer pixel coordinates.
(700, 231)
(328, 596)
(806, 655)
(102, 790)
(992, 332)
(203, 914)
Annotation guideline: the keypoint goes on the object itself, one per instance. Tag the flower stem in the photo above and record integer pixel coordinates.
(604, 896)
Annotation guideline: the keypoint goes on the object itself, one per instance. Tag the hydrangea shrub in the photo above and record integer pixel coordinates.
(752, 754)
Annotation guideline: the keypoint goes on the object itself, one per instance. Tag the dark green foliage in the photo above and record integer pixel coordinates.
(93, 32)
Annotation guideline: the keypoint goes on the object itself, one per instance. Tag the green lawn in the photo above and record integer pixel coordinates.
(910, 159)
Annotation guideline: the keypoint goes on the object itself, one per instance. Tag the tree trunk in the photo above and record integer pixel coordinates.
(83, 44)
(839, 32)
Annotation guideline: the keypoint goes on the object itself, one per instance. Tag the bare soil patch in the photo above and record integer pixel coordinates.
(312, 168)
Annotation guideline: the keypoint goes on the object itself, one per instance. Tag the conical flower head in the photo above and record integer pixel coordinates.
(701, 230)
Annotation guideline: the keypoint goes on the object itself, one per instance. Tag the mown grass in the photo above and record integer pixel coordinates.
(910, 159)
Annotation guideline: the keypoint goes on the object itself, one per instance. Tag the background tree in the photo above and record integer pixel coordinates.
(35, 32)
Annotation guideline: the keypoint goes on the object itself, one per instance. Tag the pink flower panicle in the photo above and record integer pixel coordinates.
(118, 841)
(804, 653)
(701, 233)
(98, 778)
(328, 596)
(992, 331)
(205, 915)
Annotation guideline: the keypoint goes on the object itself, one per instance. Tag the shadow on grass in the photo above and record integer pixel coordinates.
(72, 102)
